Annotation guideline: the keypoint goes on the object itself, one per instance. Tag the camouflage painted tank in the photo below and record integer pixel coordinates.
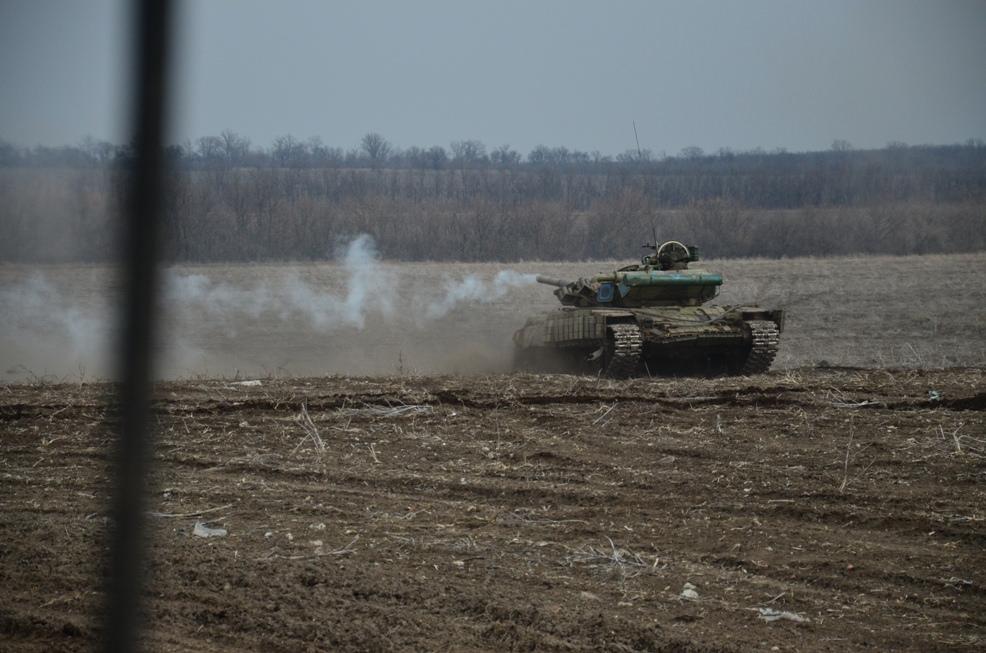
(650, 318)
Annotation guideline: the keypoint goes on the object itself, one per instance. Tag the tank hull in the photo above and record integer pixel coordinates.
(654, 340)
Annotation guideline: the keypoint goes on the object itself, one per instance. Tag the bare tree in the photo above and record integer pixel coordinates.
(288, 151)
(234, 148)
(635, 156)
(321, 155)
(437, 157)
(9, 153)
(209, 148)
(692, 152)
(468, 151)
(505, 156)
(376, 148)
(540, 155)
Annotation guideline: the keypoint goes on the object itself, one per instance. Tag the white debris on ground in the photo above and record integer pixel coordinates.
(770, 614)
(401, 410)
(201, 529)
(688, 592)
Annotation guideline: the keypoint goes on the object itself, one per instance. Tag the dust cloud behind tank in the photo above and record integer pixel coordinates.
(648, 318)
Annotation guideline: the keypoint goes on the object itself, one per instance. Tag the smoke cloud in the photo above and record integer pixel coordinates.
(472, 290)
(368, 291)
(41, 330)
(218, 321)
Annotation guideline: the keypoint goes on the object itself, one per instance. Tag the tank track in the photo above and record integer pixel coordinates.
(765, 338)
(627, 347)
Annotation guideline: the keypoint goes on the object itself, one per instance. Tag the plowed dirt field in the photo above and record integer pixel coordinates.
(516, 512)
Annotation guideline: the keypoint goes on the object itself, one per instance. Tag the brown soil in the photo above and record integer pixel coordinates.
(517, 513)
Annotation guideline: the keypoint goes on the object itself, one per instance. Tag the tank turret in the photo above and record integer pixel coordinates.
(660, 279)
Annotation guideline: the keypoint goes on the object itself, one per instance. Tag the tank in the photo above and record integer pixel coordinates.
(651, 318)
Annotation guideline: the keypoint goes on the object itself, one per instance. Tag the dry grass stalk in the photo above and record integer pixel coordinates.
(601, 417)
(311, 431)
(372, 410)
(346, 550)
(195, 513)
(845, 468)
(613, 557)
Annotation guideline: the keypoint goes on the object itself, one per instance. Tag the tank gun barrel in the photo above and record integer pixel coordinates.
(560, 283)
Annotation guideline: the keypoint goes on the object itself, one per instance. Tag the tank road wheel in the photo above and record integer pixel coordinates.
(764, 335)
(623, 350)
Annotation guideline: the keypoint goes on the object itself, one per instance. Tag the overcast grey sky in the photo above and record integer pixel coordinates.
(712, 74)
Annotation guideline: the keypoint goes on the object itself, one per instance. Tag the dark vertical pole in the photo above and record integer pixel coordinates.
(140, 252)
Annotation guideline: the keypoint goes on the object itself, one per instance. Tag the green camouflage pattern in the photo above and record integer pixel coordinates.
(649, 318)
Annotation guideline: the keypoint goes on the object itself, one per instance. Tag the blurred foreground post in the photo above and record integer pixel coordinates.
(139, 240)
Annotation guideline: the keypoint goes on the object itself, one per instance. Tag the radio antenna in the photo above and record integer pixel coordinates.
(640, 156)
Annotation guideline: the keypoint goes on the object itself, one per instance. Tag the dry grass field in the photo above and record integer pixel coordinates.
(427, 318)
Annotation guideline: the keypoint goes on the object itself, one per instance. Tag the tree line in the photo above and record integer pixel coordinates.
(232, 150)
(228, 201)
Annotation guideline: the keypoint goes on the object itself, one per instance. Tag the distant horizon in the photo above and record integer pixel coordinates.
(837, 144)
